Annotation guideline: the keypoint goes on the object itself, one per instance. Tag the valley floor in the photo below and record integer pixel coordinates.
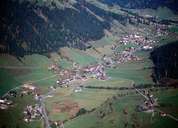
(100, 87)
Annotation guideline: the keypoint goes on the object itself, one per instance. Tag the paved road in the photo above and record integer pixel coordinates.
(44, 113)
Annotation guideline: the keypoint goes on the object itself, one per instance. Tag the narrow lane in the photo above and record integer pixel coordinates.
(44, 113)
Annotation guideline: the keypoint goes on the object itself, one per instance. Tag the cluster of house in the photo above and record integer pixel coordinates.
(93, 71)
(141, 41)
(120, 57)
(66, 76)
(161, 29)
(127, 55)
(108, 61)
(149, 104)
(54, 67)
(57, 124)
(32, 113)
(5, 104)
(28, 88)
(96, 71)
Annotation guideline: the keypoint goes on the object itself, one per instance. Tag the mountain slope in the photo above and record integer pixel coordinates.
(38, 26)
(29, 28)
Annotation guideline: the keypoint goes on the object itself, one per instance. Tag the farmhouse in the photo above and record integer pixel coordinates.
(29, 87)
(149, 104)
(53, 67)
(78, 89)
(136, 39)
(96, 71)
(5, 104)
(32, 113)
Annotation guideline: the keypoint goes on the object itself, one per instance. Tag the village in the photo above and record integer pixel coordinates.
(32, 113)
(78, 73)
(94, 71)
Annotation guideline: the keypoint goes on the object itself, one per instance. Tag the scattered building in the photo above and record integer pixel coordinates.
(32, 113)
(53, 67)
(96, 71)
(92, 71)
(29, 87)
(5, 104)
(107, 61)
(149, 104)
(147, 47)
(78, 89)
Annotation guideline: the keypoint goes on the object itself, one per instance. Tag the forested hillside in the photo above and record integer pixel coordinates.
(28, 28)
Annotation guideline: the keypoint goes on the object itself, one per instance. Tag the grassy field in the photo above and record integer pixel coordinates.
(87, 99)
(167, 39)
(35, 75)
(168, 101)
(35, 70)
(112, 119)
(119, 82)
(160, 12)
(123, 47)
(117, 118)
(132, 71)
(36, 60)
(9, 60)
(65, 64)
(77, 56)
(137, 71)
(7, 81)
(106, 40)
(174, 29)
